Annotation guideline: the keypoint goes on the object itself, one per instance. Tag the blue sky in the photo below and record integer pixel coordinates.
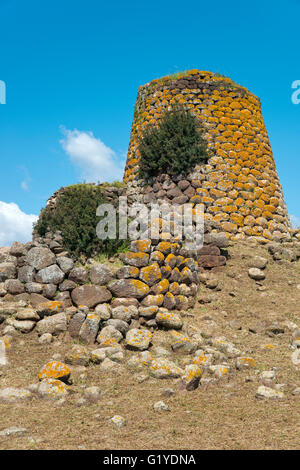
(72, 70)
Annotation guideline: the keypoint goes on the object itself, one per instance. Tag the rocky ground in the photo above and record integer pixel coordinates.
(229, 379)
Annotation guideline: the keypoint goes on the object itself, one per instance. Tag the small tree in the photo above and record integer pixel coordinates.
(174, 147)
(75, 216)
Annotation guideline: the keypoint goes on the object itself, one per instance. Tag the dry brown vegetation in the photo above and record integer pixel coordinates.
(220, 415)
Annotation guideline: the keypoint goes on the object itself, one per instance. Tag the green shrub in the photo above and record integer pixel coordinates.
(75, 216)
(174, 147)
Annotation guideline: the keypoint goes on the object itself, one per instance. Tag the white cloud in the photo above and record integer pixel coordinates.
(15, 225)
(96, 161)
(24, 186)
(295, 221)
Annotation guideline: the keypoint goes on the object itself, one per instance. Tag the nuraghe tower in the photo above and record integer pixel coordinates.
(239, 185)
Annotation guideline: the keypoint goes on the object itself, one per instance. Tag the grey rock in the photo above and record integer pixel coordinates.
(90, 296)
(50, 275)
(7, 271)
(54, 325)
(100, 274)
(40, 257)
(26, 274)
(65, 264)
(79, 275)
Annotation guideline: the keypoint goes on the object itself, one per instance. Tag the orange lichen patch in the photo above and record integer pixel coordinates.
(174, 288)
(164, 247)
(150, 274)
(136, 258)
(142, 245)
(171, 260)
(157, 256)
(140, 287)
(51, 307)
(152, 300)
(244, 361)
(269, 346)
(54, 370)
(54, 388)
(104, 341)
(161, 287)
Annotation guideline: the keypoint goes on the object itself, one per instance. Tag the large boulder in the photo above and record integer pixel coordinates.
(50, 275)
(129, 288)
(90, 296)
(40, 257)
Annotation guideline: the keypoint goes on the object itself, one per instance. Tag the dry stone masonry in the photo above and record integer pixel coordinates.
(239, 185)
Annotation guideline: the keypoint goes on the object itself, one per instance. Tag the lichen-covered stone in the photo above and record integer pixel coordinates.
(138, 339)
(150, 274)
(55, 370)
(165, 369)
(169, 320)
(129, 288)
(90, 296)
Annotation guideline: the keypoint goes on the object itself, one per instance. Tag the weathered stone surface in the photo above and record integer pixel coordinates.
(50, 275)
(79, 275)
(54, 325)
(258, 262)
(168, 320)
(90, 295)
(256, 274)
(136, 259)
(151, 300)
(40, 257)
(124, 301)
(34, 287)
(52, 389)
(138, 339)
(67, 285)
(37, 299)
(120, 325)
(65, 264)
(55, 370)
(124, 313)
(76, 323)
(104, 311)
(141, 246)
(24, 326)
(27, 314)
(150, 274)
(165, 369)
(129, 288)
(267, 392)
(89, 328)
(14, 286)
(7, 271)
(13, 431)
(191, 377)
(49, 308)
(100, 274)
(127, 272)
(78, 355)
(109, 332)
(26, 274)
(18, 249)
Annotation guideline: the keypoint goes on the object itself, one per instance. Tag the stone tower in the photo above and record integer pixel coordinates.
(239, 185)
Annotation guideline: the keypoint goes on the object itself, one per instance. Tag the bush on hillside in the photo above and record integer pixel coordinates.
(75, 216)
(174, 147)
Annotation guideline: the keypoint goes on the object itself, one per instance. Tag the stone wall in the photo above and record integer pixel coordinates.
(239, 185)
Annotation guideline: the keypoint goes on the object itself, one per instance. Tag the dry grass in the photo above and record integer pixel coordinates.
(222, 415)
